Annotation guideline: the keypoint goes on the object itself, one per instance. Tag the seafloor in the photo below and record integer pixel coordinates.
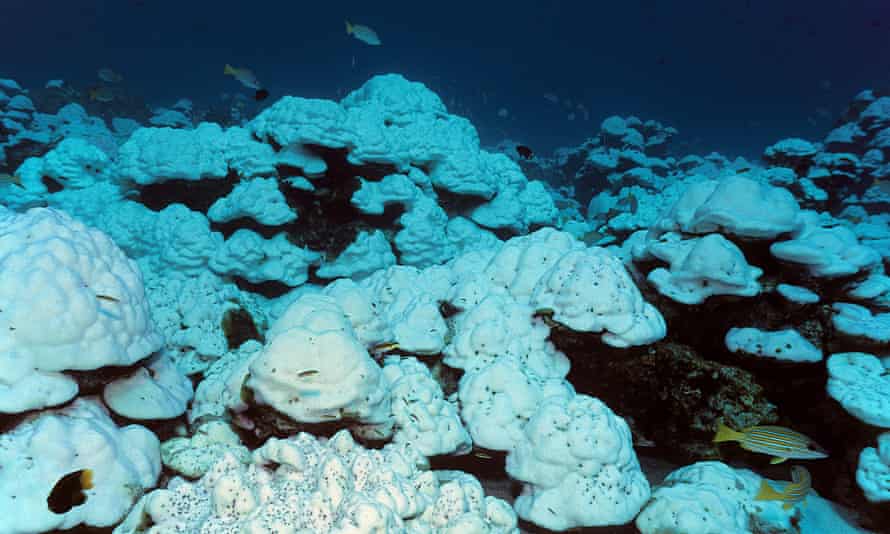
(350, 316)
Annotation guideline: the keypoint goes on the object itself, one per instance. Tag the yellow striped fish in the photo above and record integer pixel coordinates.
(793, 492)
(779, 442)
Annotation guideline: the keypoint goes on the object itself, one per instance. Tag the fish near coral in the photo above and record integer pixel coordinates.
(12, 179)
(524, 152)
(779, 442)
(794, 492)
(362, 33)
(248, 79)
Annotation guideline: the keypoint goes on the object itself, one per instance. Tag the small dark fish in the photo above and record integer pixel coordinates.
(69, 491)
(261, 95)
(109, 298)
(524, 152)
(307, 373)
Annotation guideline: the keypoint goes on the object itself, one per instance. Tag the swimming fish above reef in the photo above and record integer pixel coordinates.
(524, 152)
(362, 33)
(104, 94)
(108, 75)
(793, 492)
(69, 491)
(779, 442)
(248, 79)
(12, 179)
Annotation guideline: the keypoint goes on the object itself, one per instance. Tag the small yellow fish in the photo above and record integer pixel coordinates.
(362, 33)
(779, 442)
(247, 79)
(68, 492)
(12, 179)
(383, 348)
(104, 94)
(245, 76)
(793, 492)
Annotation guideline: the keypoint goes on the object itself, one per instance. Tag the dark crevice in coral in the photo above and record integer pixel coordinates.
(271, 289)
(238, 327)
(198, 195)
(92, 382)
(247, 223)
(52, 186)
(458, 203)
(327, 221)
(484, 463)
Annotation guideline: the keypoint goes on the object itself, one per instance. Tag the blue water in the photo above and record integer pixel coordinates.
(732, 76)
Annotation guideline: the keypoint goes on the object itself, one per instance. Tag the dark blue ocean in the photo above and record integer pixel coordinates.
(732, 76)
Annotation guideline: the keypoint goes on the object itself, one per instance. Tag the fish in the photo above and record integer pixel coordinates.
(261, 95)
(68, 492)
(503, 113)
(108, 298)
(550, 97)
(524, 152)
(307, 373)
(245, 76)
(382, 348)
(794, 492)
(13, 179)
(592, 237)
(632, 203)
(108, 75)
(779, 442)
(362, 33)
(104, 94)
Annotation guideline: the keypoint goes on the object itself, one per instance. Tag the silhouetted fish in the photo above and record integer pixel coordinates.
(524, 152)
(69, 491)
(261, 95)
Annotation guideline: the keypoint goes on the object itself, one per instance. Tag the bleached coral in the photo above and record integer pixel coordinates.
(246, 254)
(40, 451)
(314, 369)
(497, 401)
(369, 252)
(873, 470)
(333, 486)
(499, 327)
(701, 268)
(861, 384)
(258, 199)
(153, 155)
(69, 300)
(786, 344)
(578, 466)
(157, 390)
(421, 414)
(735, 205)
